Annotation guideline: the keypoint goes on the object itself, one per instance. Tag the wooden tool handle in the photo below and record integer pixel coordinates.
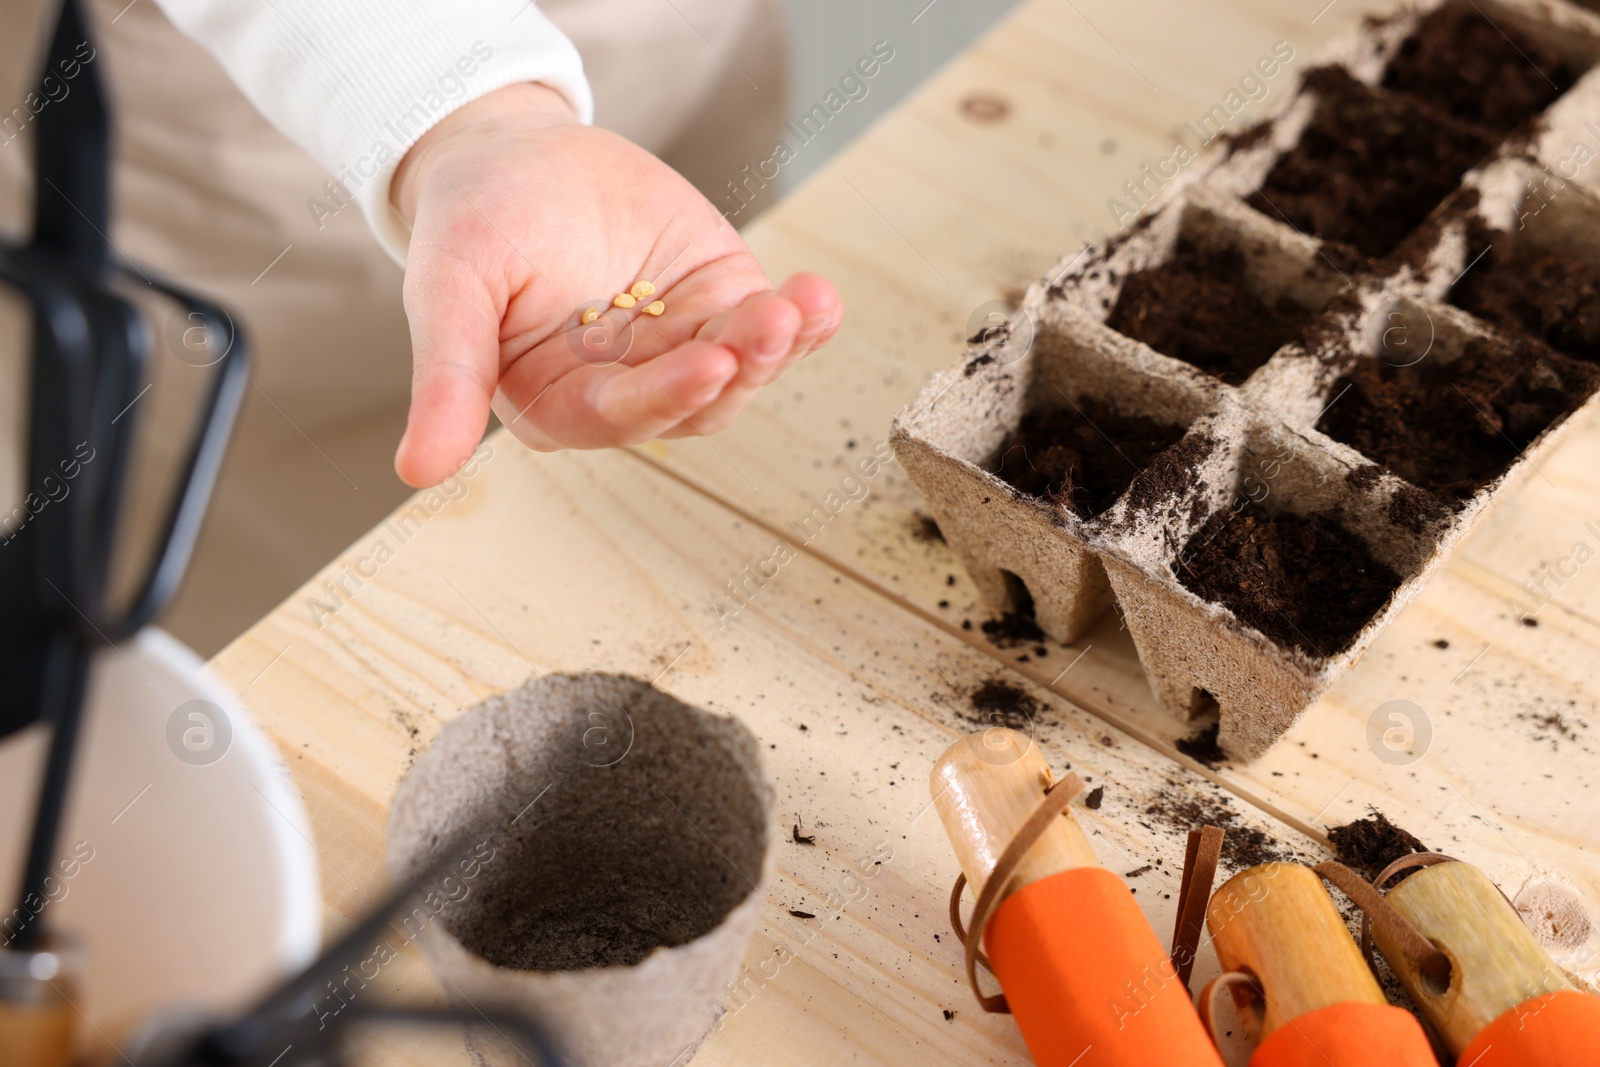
(1496, 964)
(985, 787)
(36, 1034)
(1278, 924)
(1083, 973)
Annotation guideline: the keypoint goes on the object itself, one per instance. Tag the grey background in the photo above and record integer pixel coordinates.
(828, 36)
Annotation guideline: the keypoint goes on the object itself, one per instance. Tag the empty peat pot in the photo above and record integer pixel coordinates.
(621, 857)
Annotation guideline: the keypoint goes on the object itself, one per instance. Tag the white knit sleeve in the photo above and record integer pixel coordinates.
(357, 82)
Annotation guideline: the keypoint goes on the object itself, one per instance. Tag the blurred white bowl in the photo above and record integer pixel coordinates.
(202, 886)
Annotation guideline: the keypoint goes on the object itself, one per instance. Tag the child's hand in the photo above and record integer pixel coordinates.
(522, 217)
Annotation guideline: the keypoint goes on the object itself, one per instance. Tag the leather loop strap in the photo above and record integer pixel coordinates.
(1194, 893)
(957, 925)
(1056, 799)
(1208, 998)
(1405, 863)
(1407, 939)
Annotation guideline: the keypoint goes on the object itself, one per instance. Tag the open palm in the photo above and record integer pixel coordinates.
(522, 219)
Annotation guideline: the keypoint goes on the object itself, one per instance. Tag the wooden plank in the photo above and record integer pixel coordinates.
(595, 562)
(933, 215)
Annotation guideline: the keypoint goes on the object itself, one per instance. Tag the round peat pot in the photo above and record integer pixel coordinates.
(616, 856)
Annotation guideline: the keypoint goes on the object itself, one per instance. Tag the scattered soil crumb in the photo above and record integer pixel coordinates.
(1012, 629)
(926, 530)
(801, 914)
(1552, 726)
(1371, 844)
(1202, 747)
(1179, 809)
(1094, 797)
(998, 702)
(1017, 626)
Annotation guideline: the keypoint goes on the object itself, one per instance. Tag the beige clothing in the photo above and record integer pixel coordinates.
(211, 195)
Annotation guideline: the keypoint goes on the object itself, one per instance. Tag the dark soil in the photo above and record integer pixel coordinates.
(1414, 509)
(926, 530)
(1302, 580)
(1409, 507)
(998, 702)
(1371, 844)
(1369, 167)
(1477, 70)
(1453, 427)
(1017, 626)
(1197, 308)
(1242, 847)
(1554, 296)
(1171, 476)
(1203, 747)
(1013, 628)
(1081, 457)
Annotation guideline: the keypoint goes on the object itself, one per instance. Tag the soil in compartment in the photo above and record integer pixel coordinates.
(1197, 308)
(1452, 428)
(1302, 580)
(1479, 71)
(1369, 166)
(1082, 456)
(1554, 296)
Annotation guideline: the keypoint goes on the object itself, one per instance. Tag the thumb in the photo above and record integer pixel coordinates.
(455, 341)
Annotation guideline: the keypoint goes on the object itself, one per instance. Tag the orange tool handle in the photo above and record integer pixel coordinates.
(1352, 1034)
(1086, 978)
(1555, 1030)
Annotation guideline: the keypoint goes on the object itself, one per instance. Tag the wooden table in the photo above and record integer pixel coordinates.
(852, 664)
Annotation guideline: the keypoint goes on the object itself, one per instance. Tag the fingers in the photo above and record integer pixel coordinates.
(761, 332)
(765, 337)
(694, 389)
(820, 310)
(770, 331)
(604, 407)
(455, 338)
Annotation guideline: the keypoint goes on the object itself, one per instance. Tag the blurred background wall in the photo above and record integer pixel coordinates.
(828, 36)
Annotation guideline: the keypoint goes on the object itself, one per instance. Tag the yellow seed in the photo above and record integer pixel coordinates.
(654, 308)
(623, 300)
(589, 315)
(642, 289)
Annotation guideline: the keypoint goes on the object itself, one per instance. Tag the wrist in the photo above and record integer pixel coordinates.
(526, 106)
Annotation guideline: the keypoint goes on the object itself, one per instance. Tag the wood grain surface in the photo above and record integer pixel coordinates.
(764, 573)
